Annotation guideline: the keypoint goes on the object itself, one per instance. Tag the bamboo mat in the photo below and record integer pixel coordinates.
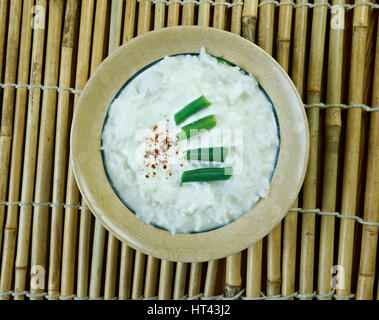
(51, 247)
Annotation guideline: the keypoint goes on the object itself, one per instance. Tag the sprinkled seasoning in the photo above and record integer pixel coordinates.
(157, 151)
(145, 162)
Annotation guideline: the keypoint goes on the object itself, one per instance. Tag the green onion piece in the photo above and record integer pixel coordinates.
(207, 174)
(208, 154)
(191, 108)
(222, 60)
(193, 129)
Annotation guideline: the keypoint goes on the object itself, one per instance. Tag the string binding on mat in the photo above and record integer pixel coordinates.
(269, 2)
(364, 107)
(200, 296)
(299, 210)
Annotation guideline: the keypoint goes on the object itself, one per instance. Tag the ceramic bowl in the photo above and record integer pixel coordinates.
(88, 165)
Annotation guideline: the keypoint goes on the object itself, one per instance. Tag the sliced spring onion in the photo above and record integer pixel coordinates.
(208, 154)
(194, 128)
(207, 174)
(191, 108)
(222, 60)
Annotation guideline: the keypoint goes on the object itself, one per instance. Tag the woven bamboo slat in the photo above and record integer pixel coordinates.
(113, 243)
(30, 157)
(10, 232)
(46, 144)
(313, 95)
(99, 236)
(60, 154)
(366, 276)
(290, 221)
(7, 110)
(126, 256)
(332, 56)
(352, 147)
(254, 253)
(72, 193)
(3, 25)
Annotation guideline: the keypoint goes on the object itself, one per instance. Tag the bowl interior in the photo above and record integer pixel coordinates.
(104, 202)
(123, 200)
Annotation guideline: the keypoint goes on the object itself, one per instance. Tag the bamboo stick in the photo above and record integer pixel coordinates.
(126, 258)
(233, 281)
(173, 14)
(254, 253)
(126, 265)
(235, 26)
(113, 243)
(7, 109)
(273, 261)
(100, 232)
(284, 35)
(266, 27)
(97, 260)
(352, 146)
(165, 277)
(367, 264)
(144, 12)
(46, 143)
(138, 275)
(72, 192)
(299, 46)
(195, 279)
(332, 135)
(3, 25)
(159, 16)
(211, 278)
(10, 233)
(265, 40)
(188, 13)
(274, 276)
(180, 280)
(129, 20)
(204, 13)
(219, 16)
(249, 19)
(140, 259)
(290, 221)
(30, 152)
(60, 155)
(115, 25)
(313, 95)
(165, 280)
(110, 268)
(254, 270)
(151, 277)
(83, 255)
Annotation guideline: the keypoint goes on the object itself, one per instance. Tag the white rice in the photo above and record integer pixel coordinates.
(145, 108)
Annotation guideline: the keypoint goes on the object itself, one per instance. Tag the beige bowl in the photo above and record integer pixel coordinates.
(88, 164)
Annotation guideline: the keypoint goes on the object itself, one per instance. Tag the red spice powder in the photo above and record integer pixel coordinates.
(158, 145)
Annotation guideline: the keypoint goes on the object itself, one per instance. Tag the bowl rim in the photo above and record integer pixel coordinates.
(87, 162)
